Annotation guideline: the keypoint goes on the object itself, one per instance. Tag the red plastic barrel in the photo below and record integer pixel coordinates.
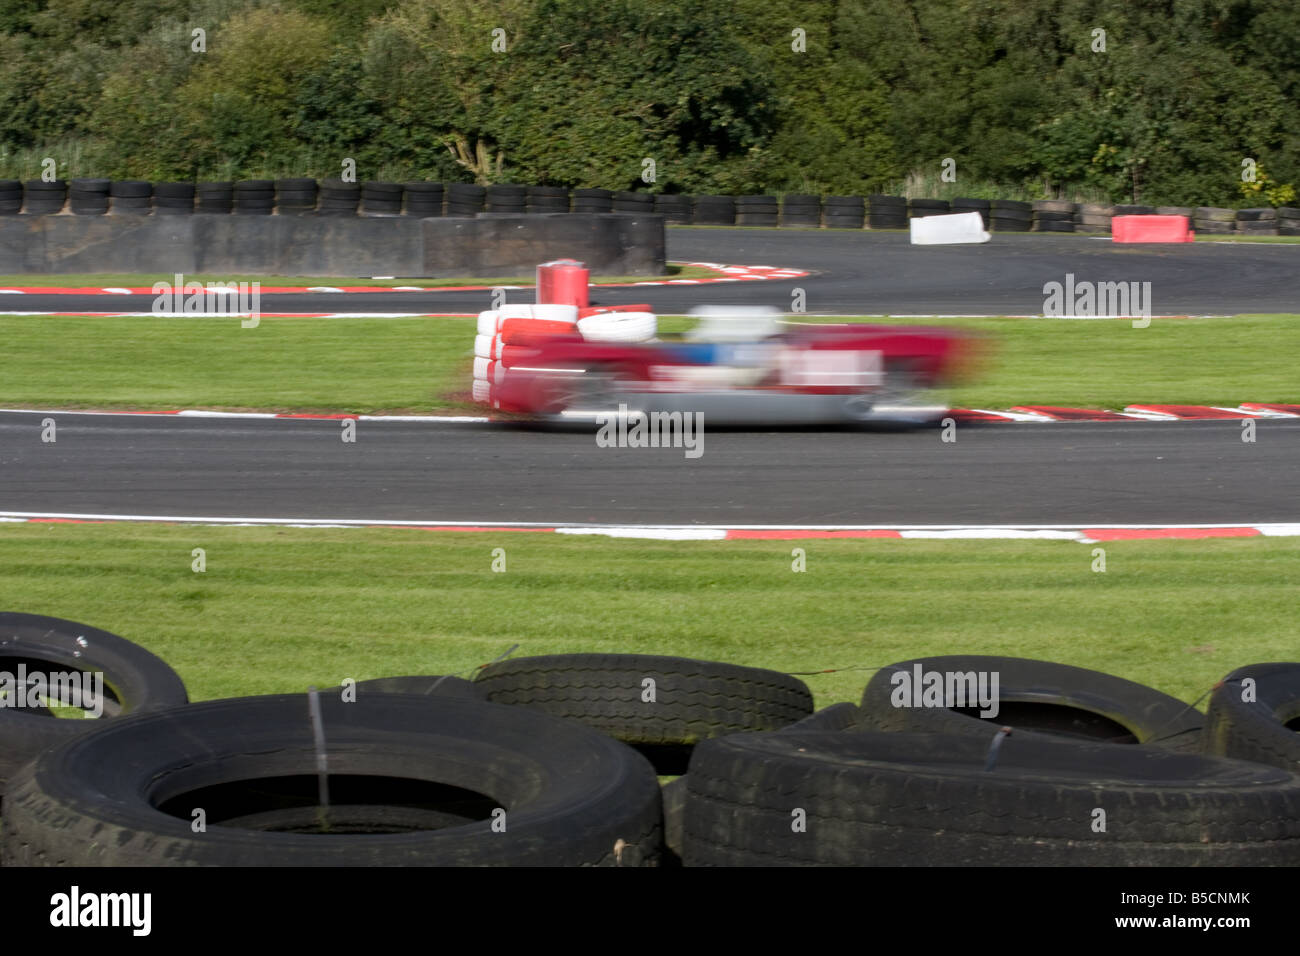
(563, 282)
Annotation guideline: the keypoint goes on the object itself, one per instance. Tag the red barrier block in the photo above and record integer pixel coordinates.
(1150, 229)
(563, 282)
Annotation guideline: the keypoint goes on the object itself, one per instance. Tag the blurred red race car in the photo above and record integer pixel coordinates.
(736, 367)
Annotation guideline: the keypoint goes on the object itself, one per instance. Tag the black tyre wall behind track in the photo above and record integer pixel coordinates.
(927, 800)
(1266, 729)
(123, 796)
(1038, 696)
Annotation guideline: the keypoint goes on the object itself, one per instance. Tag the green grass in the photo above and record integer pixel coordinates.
(279, 609)
(141, 279)
(422, 364)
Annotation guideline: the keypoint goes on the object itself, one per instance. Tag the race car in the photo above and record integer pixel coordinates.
(736, 367)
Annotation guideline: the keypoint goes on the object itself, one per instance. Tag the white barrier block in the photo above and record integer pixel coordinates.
(945, 230)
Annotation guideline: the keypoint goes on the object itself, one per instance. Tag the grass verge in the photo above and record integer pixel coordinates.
(422, 364)
(281, 608)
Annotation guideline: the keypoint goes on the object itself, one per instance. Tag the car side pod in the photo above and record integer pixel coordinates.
(962, 227)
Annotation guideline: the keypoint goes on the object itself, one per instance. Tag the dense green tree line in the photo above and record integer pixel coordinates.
(749, 96)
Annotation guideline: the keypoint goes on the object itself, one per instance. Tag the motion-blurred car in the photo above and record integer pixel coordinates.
(737, 368)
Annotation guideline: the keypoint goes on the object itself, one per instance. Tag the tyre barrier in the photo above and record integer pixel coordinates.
(1035, 698)
(714, 211)
(800, 211)
(295, 197)
(130, 197)
(504, 336)
(41, 198)
(926, 207)
(422, 200)
(88, 197)
(675, 209)
(254, 197)
(52, 652)
(465, 199)
(381, 199)
(338, 198)
(966, 204)
(414, 780)
(215, 197)
(1053, 215)
(173, 199)
(843, 212)
(11, 197)
(689, 700)
(906, 799)
(756, 211)
(506, 198)
(546, 199)
(630, 201)
(593, 200)
(1258, 222)
(1254, 714)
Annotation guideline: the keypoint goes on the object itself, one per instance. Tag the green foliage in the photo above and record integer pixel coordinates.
(827, 96)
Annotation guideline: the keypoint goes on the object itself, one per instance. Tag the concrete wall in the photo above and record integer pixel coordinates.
(490, 245)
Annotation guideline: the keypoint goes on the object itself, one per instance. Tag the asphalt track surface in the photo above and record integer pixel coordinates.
(1088, 474)
(861, 272)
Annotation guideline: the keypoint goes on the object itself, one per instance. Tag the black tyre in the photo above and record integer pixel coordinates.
(1046, 215)
(1214, 227)
(1048, 225)
(1174, 211)
(1000, 224)
(692, 700)
(1262, 214)
(927, 207)
(1011, 208)
(886, 222)
(1129, 209)
(1216, 213)
(130, 188)
(437, 685)
(926, 799)
(401, 768)
(1265, 729)
(882, 200)
(838, 717)
(1038, 697)
(134, 681)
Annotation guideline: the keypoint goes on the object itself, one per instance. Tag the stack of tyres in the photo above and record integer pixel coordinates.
(1134, 209)
(1053, 215)
(756, 211)
(1092, 217)
(41, 198)
(543, 199)
(674, 209)
(507, 198)
(1185, 211)
(1257, 222)
(422, 200)
(801, 210)
(173, 199)
(593, 200)
(216, 198)
(714, 211)
(11, 197)
(1010, 215)
(886, 212)
(88, 197)
(1288, 221)
(1214, 220)
(629, 201)
(917, 208)
(254, 197)
(465, 199)
(966, 204)
(131, 198)
(381, 199)
(338, 198)
(295, 197)
(843, 212)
